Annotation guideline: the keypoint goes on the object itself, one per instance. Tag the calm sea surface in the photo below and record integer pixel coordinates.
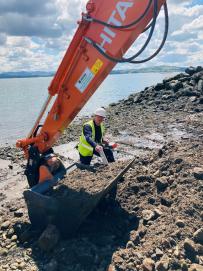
(21, 99)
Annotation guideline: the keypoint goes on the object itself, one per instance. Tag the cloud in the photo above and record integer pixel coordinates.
(35, 34)
(3, 39)
(31, 8)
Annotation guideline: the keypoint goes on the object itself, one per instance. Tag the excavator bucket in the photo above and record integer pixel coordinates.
(68, 210)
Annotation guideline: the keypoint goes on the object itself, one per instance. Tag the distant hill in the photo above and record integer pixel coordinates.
(23, 74)
(159, 69)
(151, 69)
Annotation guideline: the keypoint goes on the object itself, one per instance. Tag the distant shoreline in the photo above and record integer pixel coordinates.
(158, 69)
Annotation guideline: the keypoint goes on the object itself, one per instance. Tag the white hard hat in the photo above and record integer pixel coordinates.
(100, 112)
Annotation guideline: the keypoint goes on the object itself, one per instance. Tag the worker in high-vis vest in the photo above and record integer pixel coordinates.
(92, 138)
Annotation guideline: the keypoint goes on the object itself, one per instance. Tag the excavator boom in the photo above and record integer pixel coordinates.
(104, 34)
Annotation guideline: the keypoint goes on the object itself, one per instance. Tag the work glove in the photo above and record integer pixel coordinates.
(98, 148)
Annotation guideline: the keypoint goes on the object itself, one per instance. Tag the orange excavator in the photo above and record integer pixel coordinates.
(105, 32)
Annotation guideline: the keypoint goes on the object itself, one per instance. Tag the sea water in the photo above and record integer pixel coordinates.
(21, 99)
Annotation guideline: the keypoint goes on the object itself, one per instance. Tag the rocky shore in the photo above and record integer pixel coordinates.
(156, 220)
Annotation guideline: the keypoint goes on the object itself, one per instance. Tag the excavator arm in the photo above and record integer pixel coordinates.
(105, 32)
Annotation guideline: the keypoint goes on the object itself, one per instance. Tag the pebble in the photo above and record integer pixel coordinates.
(148, 264)
(159, 252)
(180, 223)
(19, 213)
(198, 236)
(130, 244)
(147, 215)
(5, 225)
(196, 267)
(189, 246)
(163, 264)
(161, 184)
(198, 173)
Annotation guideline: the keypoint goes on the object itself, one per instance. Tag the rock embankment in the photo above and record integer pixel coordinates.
(156, 220)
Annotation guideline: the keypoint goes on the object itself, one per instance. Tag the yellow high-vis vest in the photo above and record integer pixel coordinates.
(84, 148)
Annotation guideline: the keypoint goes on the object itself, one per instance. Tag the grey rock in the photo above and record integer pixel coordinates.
(5, 225)
(148, 264)
(163, 264)
(199, 249)
(3, 251)
(166, 201)
(196, 267)
(201, 215)
(147, 215)
(198, 236)
(130, 244)
(180, 223)
(200, 86)
(159, 252)
(189, 246)
(161, 184)
(19, 213)
(198, 173)
(191, 70)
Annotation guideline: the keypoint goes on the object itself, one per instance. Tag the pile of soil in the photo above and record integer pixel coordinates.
(156, 219)
(91, 181)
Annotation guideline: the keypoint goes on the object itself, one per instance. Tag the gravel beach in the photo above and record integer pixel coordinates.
(156, 219)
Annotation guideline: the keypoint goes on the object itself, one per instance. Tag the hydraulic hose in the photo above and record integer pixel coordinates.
(90, 19)
(151, 25)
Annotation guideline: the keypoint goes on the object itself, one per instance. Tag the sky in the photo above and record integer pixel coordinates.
(35, 34)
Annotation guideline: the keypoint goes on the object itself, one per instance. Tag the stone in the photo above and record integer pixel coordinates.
(159, 252)
(111, 268)
(189, 247)
(134, 237)
(148, 264)
(198, 173)
(175, 264)
(184, 266)
(198, 236)
(14, 238)
(147, 215)
(161, 184)
(180, 223)
(163, 264)
(196, 267)
(176, 251)
(166, 202)
(3, 251)
(21, 266)
(178, 160)
(49, 238)
(199, 249)
(190, 70)
(201, 215)
(10, 233)
(130, 244)
(5, 225)
(158, 213)
(200, 85)
(19, 213)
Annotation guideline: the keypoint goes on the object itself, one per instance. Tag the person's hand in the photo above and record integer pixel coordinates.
(106, 141)
(98, 148)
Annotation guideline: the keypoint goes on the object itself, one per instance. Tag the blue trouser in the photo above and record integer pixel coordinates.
(87, 159)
